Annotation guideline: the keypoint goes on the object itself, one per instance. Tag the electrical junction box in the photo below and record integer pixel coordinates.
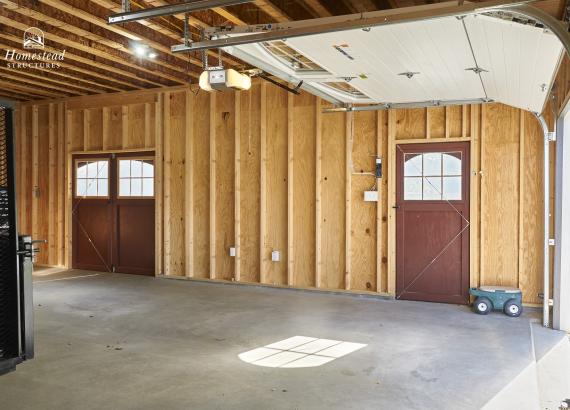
(275, 256)
(232, 251)
(370, 196)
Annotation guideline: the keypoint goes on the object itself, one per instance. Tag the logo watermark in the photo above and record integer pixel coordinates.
(34, 54)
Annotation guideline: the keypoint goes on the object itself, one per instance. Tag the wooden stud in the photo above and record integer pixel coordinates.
(428, 123)
(482, 194)
(237, 185)
(290, 191)
(188, 184)
(105, 128)
(464, 121)
(263, 182)
(521, 207)
(474, 211)
(86, 129)
(391, 285)
(25, 188)
(349, 140)
(212, 186)
(60, 185)
(52, 187)
(379, 230)
(318, 195)
(158, 185)
(69, 189)
(147, 129)
(125, 126)
(167, 241)
(447, 122)
(35, 174)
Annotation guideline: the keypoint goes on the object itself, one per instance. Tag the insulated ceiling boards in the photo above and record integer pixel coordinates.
(473, 57)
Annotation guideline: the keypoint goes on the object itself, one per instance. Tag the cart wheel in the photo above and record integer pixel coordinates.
(512, 308)
(482, 305)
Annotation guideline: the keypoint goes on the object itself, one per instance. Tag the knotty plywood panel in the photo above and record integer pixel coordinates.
(136, 126)
(454, 121)
(532, 206)
(115, 130)
(201, 185)
(250, 168)
(77, 136)
(304, 146)
(363, 214)
(95, 129)
(500, 195)
(276, 186)
(174, 160)
(333, 168)
(410, 124)
(436, 122)
(225, 149)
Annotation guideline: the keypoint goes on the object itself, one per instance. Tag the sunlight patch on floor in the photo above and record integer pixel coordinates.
(300, 351)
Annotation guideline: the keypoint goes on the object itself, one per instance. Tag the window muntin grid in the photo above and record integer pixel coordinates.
(136, 178)
(433, 176)
(92, 178)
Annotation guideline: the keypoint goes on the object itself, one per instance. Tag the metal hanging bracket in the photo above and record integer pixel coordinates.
(551, 136)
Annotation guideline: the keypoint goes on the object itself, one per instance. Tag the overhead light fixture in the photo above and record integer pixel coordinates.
(221, 80)
(143, 51)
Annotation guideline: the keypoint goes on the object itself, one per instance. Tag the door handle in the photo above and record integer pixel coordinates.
(396, 206)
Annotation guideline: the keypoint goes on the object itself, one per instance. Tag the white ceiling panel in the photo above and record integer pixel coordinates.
(520, 61)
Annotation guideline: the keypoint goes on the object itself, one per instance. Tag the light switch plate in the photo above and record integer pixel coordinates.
(371, 196)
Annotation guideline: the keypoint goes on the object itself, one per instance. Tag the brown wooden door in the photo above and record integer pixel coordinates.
(113, 213)
(432, 218)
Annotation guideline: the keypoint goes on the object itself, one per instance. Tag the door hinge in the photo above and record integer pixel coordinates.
(113, 268)
(551, 136)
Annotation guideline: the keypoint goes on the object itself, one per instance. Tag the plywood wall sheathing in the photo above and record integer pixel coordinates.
(265, 170)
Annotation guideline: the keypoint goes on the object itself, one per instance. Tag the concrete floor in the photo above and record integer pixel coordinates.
(130, 342)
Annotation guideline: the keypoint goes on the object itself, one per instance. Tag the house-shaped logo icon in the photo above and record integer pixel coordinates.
(33, 38)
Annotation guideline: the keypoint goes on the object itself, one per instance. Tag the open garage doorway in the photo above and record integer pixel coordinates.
(113, 212)
(432, 218)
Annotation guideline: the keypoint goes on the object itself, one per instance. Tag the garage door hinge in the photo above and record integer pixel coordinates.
(551, 136)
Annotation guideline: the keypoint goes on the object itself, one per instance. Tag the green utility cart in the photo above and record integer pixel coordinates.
(489, 298)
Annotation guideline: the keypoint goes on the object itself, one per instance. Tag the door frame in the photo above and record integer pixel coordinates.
(472, 138)
(424, 147)
(71, 156)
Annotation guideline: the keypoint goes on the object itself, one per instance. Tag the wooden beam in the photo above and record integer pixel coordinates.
(158, 186)
(68, 190)
(107, 42)
(120, 30)
(391, 285)
(60, 184)
(52, 187)
(318, 194)
(474, 206)
(237, 185)
(23, 183)
(148, 143)
(167, 240)
(212, 186)
(349, 141)
(318, 8)
(263, 185)
(25, 90)
(86, 128)
(290, 192)
(188, 186)
(125, 126)
(35, 173)
(379, 228)
(57, 83)
(86, 49)
(83, 60)
(272, 10)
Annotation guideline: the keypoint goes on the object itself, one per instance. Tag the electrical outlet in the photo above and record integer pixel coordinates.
(232, 251)
(275, 256)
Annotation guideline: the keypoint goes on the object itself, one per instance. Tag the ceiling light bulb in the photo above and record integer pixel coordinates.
(140, 51)
(152, 55)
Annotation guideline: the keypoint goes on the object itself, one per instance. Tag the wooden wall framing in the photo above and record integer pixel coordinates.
(265, 170)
